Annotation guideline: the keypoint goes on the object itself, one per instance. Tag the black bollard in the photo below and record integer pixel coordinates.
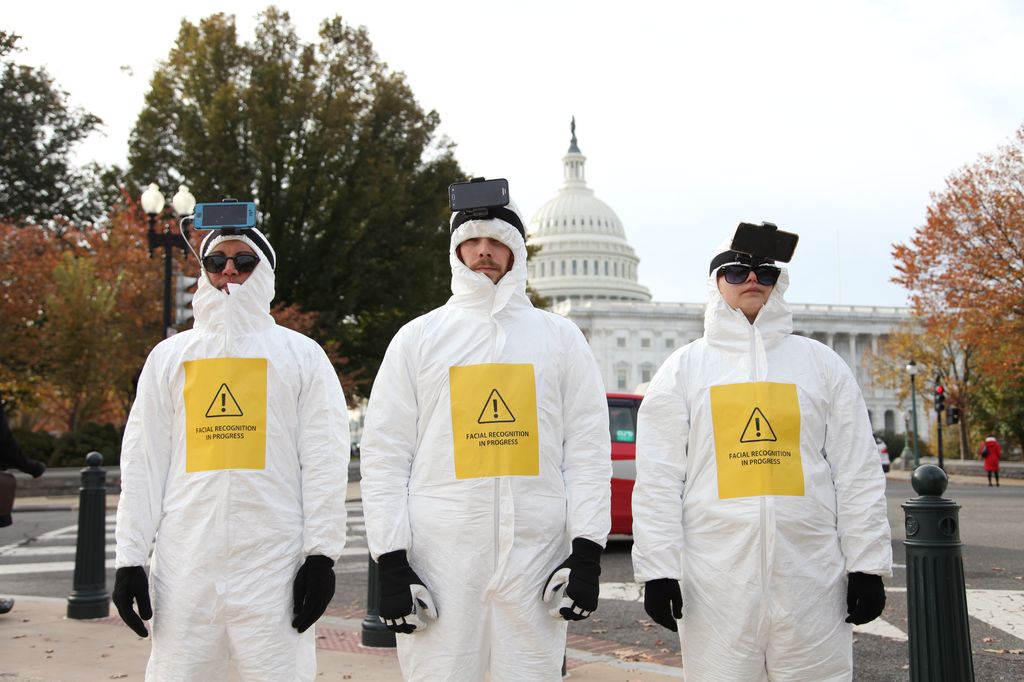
(375, 633)
(89, 598)
(938, 636)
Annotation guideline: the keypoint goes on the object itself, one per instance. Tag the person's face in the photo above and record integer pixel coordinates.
(487, 256)
(230, 248)
(748, 296)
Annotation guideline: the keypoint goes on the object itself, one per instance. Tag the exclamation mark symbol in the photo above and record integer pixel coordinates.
(495, 403)
(757, 425)
(223, 402)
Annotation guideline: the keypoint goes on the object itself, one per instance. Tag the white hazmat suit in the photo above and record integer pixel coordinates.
(758, 487)
(485, 452)
(234, 461)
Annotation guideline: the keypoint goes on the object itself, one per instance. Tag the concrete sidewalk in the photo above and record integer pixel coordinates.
(38, 642)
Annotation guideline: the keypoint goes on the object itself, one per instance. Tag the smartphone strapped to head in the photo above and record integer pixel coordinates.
(481, 199)
(755, 245)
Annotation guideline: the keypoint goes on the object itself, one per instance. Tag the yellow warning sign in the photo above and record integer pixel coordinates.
(220, 434)
(758, 429)
(495, 410)
(757, 439)
(224, 404)
(501, 438)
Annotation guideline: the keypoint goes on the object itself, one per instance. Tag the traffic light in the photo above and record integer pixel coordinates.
(952, 415)
(184, 289)
(940, 398)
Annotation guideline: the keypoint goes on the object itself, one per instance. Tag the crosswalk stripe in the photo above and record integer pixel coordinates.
(1002, 609)
(48, 567)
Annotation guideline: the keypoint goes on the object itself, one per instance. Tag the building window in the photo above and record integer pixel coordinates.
(574, 267)
(585, 267)
(670, 343)
(620, 342)
(645, 343)
(606, 268)
(563, 267)
(620, 379)
(596, 269)
(616, 268)
(645, 374)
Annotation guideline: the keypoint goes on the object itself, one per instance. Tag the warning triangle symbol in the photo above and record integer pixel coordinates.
(224, 404)
(758, 429)
(495, 410)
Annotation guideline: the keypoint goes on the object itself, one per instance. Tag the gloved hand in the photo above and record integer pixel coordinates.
(405, 602)
(312, 590)
(35, 468)
(865, 598)
(131, 584)
(663, 602)
(574, 586)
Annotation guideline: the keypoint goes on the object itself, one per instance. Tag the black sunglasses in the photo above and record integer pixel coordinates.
(244, 262)
(736, 273)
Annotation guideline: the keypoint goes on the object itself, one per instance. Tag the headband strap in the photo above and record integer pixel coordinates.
(252, 235)
(737, 257)
(498, 212)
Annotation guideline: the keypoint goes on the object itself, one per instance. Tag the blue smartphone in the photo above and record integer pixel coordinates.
(237, 214)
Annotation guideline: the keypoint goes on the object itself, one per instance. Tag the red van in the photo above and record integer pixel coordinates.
(622, 410)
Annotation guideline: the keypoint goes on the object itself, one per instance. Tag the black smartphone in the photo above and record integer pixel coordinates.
(764, 240)
(464, 196)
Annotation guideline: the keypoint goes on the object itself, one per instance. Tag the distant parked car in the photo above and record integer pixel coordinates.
(883, 453)
(622, 411)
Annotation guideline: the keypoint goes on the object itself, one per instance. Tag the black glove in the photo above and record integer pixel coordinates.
(865, 598)
(35, 468)
(312, 590)
(582, 586)
(663, 602)
(132, 585)
(402, 594)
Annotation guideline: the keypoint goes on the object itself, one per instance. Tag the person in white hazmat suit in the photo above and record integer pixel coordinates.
(485, 463)
(233, 472)
(759, 514)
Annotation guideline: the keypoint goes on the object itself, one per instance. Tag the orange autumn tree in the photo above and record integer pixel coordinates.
(81, 307)
(27, 257)
(964, 268)
(934, 354)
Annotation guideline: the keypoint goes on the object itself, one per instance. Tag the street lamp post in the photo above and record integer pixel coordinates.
(912, 371)
(183, 204)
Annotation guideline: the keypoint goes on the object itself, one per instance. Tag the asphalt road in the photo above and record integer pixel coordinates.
(991, 528)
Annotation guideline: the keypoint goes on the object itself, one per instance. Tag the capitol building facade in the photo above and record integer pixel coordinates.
(587, 269)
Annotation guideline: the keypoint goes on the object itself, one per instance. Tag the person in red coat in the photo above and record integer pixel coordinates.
(990, 452)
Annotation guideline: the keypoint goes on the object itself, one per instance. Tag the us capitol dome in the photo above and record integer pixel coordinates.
(587, 270)
(584, 254)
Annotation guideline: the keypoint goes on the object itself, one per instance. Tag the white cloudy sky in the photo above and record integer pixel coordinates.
(834, 120)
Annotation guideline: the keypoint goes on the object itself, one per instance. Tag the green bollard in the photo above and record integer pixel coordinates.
(89, 598)
(375, 633)
(938, 637)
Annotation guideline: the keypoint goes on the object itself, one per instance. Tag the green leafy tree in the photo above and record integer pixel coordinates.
(345, 165)
(38, 131)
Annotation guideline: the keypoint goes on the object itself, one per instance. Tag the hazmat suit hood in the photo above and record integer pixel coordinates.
(727, 326)
(475, 289)
(244, 307)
